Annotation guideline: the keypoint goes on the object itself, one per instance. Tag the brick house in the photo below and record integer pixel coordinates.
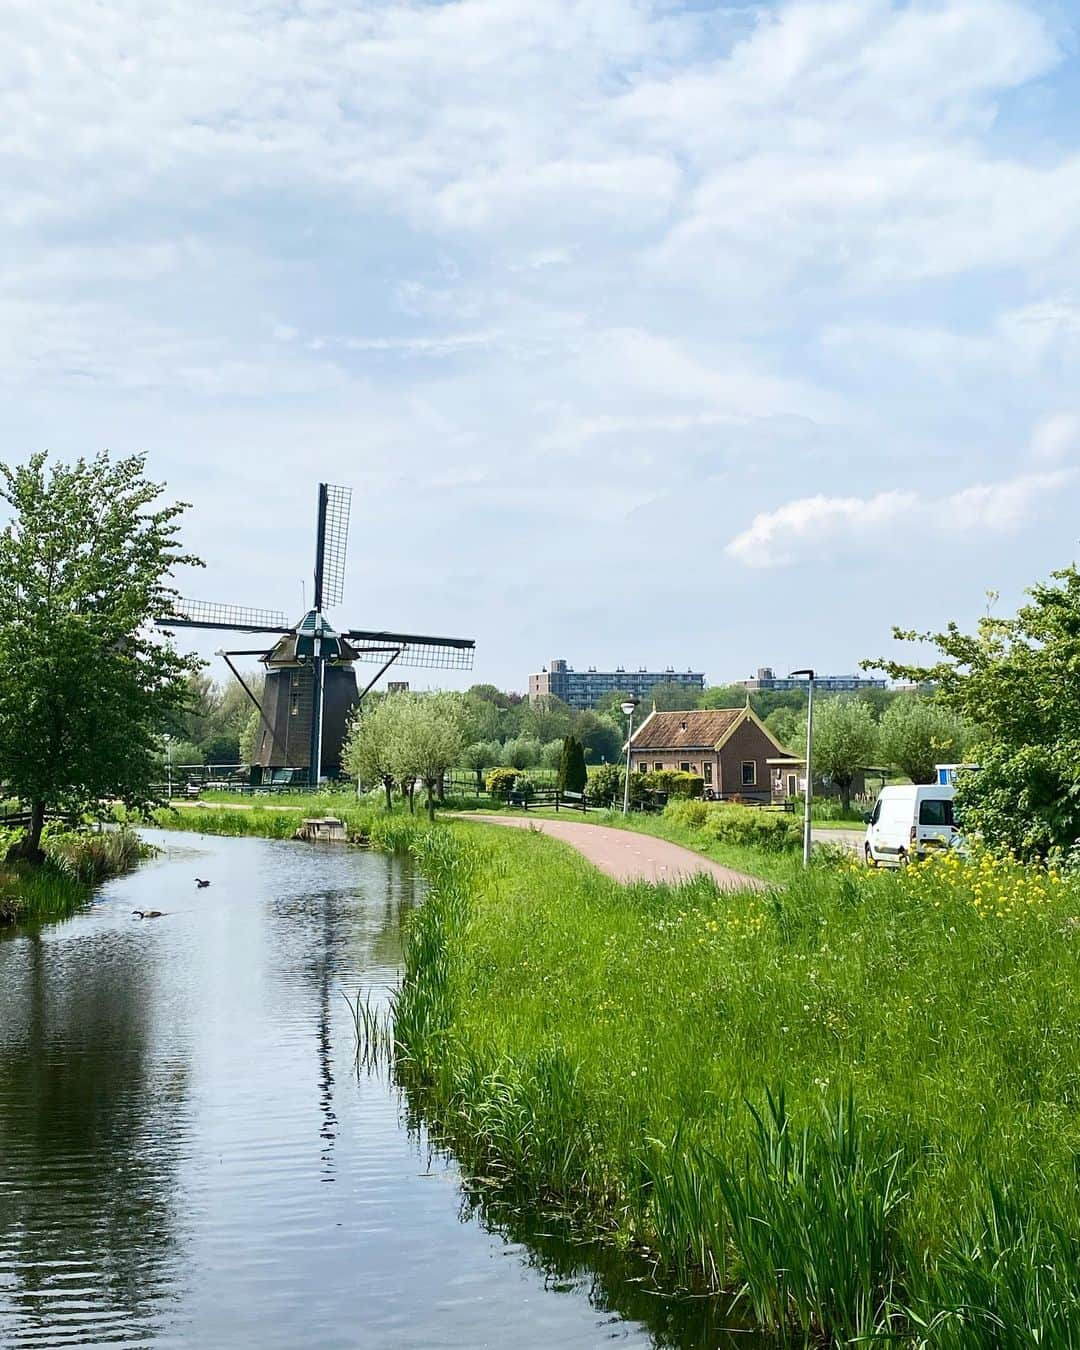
(729, 747)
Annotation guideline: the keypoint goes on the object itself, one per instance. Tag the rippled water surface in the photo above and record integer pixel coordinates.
(189, 1156)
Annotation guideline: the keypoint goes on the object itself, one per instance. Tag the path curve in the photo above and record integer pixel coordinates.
(627, 855)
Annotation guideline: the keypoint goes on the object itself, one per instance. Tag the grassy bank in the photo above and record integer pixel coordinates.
(850, 1102)
(853, 1100)
(76, 862)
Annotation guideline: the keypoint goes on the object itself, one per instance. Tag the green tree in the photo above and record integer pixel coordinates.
(480, 755)
(546, 718)
(249, 737)
(845, 741)
(522, 753)
(371, 745)
(611, 705)
(1014, 681)
(551, 754)
(572, 771)
(786, 725)
(428, 740)
(917, 735)
(671, 696)
(722, 696)
(601, 736)
(86, 686)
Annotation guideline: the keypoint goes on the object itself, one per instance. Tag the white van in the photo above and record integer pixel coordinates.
(909, 822)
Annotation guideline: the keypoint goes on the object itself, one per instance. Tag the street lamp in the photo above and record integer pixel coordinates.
(628, 705)
(809, 760)
(168, 753)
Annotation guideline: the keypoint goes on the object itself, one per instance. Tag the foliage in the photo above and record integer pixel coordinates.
(601, 737)
(787, 725)
(249, 735)
(522, 753)
(845, 741)
(674, 782)
(546, 719)
(573, 774)
(551, 755)
(369, 751)
(605, 785)
(744, 826)
(85, 685)
(671, 696)
(917, 735)
(1014, 681)
(500, 782)
(428, 739)
(481, 755)
(840, 1101)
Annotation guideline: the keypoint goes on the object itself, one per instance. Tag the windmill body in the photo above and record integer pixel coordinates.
(310, 689)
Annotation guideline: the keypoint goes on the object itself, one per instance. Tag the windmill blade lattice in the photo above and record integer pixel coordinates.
(431, 653)
(335, 542)
(239, 618)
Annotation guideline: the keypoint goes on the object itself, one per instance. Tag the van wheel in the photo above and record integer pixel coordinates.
(871, 861)
(902, 859)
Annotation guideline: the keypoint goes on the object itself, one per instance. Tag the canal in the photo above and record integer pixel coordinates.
(189, 1155)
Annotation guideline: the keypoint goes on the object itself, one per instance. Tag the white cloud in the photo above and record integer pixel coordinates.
(890, 522)
(1056, 438)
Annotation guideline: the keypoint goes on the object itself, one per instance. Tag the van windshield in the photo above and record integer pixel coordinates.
(935, 811)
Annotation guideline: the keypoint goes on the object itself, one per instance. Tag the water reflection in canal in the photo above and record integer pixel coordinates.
(189, 1157)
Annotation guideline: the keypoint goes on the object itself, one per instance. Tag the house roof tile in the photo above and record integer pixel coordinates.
(686, 730)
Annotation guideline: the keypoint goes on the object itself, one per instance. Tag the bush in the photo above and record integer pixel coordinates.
(500, 782)
(604, 785)
(691, 814)
(745, 826)
(524, 787)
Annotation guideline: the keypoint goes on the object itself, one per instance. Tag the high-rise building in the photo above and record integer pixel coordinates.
(585, 688)
(766, 680)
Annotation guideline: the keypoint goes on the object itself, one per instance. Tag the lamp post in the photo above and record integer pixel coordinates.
(809, 760)
(628, 706)
(168, 760)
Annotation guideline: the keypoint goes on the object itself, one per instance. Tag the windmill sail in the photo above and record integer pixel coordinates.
(330, 545)
(238, 618)
(432, 653)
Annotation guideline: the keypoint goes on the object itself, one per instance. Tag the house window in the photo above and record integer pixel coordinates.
(708, 772)
(685, 768)
(792, 785)
(643, 767)
(749, 773)
(658, 767)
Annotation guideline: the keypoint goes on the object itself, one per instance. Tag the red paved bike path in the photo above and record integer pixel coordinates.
(627, 855)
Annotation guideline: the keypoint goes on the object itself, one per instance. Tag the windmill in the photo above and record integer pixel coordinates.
(310, 686)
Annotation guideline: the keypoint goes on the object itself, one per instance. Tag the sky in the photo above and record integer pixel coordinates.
(645, 333)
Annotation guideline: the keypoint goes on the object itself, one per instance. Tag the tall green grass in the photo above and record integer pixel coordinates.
(851, 1103)
(76, 862)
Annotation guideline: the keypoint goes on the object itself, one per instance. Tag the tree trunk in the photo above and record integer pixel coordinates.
(28, 848)
(389, 788)
(845, 794)
(430, 800)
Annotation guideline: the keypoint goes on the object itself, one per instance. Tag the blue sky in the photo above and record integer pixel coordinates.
(645, 333)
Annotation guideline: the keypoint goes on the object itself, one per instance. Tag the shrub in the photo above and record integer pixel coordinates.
(746, 826)
(605, 785)
(691, 814)
(524, 787)
(500, 782)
